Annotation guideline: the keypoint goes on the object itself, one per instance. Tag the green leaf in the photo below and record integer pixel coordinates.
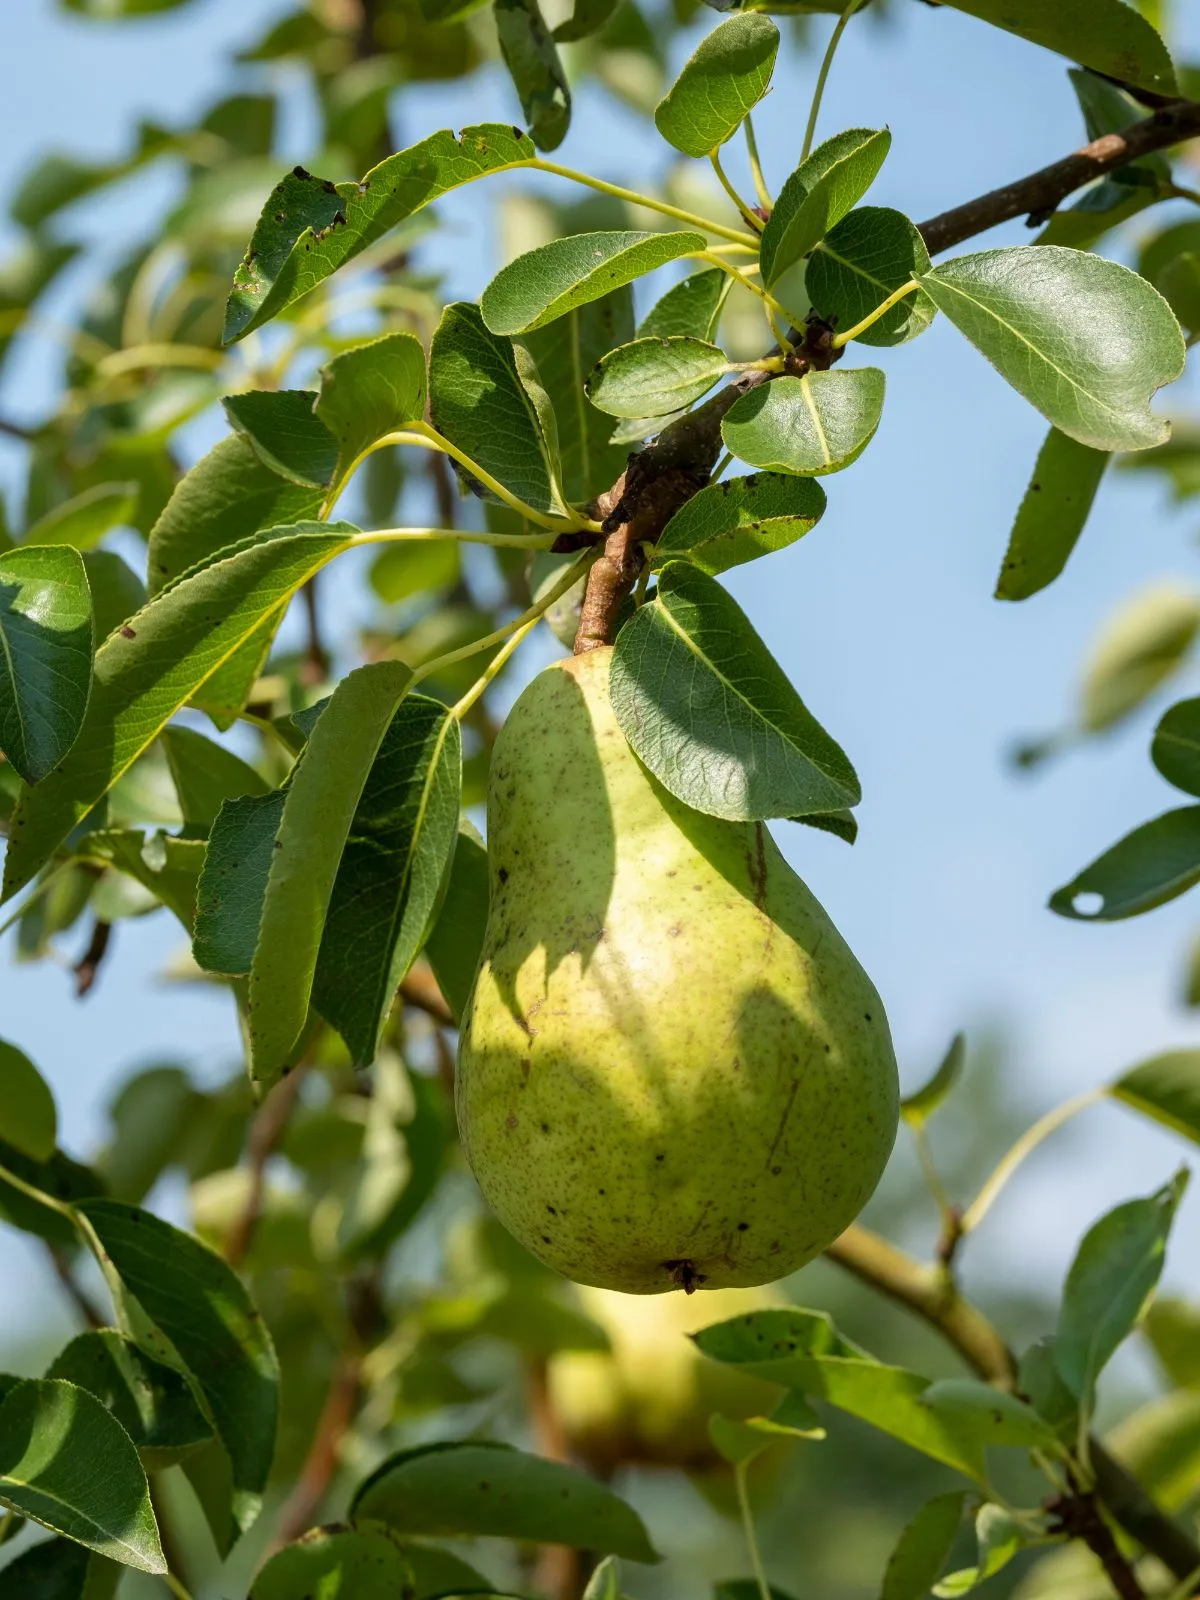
(1058, 325)
(411, 567)
(1039, 1380)
(1110, 1282)
(712, 714)
(917, 1108)
(148, 670)
(564, 352)
(205, 1325)
(83, 520)
(808, 426)
(286, 434)
(605, 1581)
(1180, 288)
(1172, 1327)
(723, 80)
(1052, 515)
(587, 17)
(152, 1402)
(995, 1417)
(382, 1170)
(456, 938)
(233, 882)
(439, 1572)
(691, 308)
(998, 1539)
(821, 191)
(1139, 648)
(356, 1565)
(392, 869)
(863, 259)
(300, 241)
(45, 656)
(67, 1463)
(480, 400)
(228, 495)
(59, 1569)
(916, 1562)
(741, 1441)
(28, 1119)
(1106, 35)
(1166, 1088)
(1153, 864)
(548, 282)
(1176, 747)
(205, 775)
(740, 519)
(481, 1488)
(532, 59)
(652, 377)
(369, 392)
(117, 591)
(59, 1177)
(318, 811)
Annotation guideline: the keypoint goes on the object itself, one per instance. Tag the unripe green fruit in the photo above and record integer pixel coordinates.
(673, 1072)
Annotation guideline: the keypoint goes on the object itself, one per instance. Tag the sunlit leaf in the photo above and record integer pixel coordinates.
(371, 391)
(821, 191)
(286, 434)
(1166, 1088)
(1145, 869)
(914, 1565)
(548, 282)
(809, 426)
(652, 377)
(917, 1107)
(859, 263)
(740, 519)
(1051, 516)
(725, 77)
(691, 308)
(45, 656)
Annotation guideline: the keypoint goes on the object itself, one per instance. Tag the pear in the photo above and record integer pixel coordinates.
(672, 1071)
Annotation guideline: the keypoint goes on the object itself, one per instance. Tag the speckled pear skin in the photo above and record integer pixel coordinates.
(673, 1072)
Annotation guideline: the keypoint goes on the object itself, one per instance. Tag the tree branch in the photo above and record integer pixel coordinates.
(265, 1133)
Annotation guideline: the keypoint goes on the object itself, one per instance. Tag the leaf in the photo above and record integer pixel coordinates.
(233, 882)
(548, 282)
(478, 401)
(45, 656)
(357, 1565)
(117, 591)
(369, 392)
(228, 495)
(652, 377)
(60, 1178)
(740, 519)
(1165, 1088)
(741, 1441)
(1059, 325)
(148, 670)
(59, 1569)
(1180, 288)
(1140, 647)
(205, 775)
(66, 1463)
(1039, 1381)
(722, 81)
(286, 434)
(863, 259)
(481, 1488)
(439, 1572)
(691, 308)
(299, 240)
(28, 1118)
(808, 426)
(83, 520)
(1110, 1282)
(917, 1108)
(998, 1538)
(1176, 747)
(1172, 1327)
(821, 191)
(605, 1581)
(168, 867)
(152, 1402)
(1153, 864)
(411, 567)
(1106, 35)
(318, 811)
(206, 1326)
(532, 59)
(587, 17)
(392, 868)
(456, 938)
(1052, 515)
(712, 714)
(920, 1554)
(382, 1170)
(995, 1417)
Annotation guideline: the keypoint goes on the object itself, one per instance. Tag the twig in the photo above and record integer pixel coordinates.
(265, 1133)
(315, 668)
(302, 1505)
(420, 990)
(1078, 1516)
(14, 430)
(62, 1271)
(87, 967)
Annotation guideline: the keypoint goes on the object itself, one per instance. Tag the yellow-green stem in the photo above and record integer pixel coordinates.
(159, 355)
(881, 310)
(742, 208)
(705, 224)
(756, 1563)
(823, 75)
(1025, 1145)
(756, 171)
(747, 283)
(504, 541)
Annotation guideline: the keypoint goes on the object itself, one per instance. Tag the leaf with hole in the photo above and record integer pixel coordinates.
(920, 1554)
(824, 188)
(917, 1108)
(45, 656)
(152, 1402)
(711, 713)
(84, 519)
(652, 377)
(1084, 340)
(1165, 1088)
(1176, 747)
(690, 309)
(808, 426)
(371, 391)
(28, 1118)
(1153, 864)
(285, 434)
(859, 263)
(1106, 35)
(723, 80)
(1052, 515)
(740, 519)
(548, 282)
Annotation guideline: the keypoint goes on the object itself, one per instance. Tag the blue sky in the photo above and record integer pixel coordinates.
(882, 616)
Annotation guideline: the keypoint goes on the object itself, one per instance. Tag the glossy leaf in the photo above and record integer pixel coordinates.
(371, 391)
(652, 377)
(995, 1417)
(205, 775)
(740, 519)
(1084, 340)
(708, 709)
(286, 434)
(456, 938)
(916, 1562)
(1114, 1273)
(532, 59)
(724, 79)
(481, 1488)
(1176, 747)
(1139, 648)
(28, 1118)
(1153, 864)
(918, 1107)
(67, 1463)
(808, 426)
(152, 1402)
(45, 656)
(863, 259)
(690, 309)
(822, 190)
(148, 670)
(84, 519)
(354, 1564)
(205, 1324)
(1166, 1088)
(1106, 35)
(548, 282)
(1051, 516)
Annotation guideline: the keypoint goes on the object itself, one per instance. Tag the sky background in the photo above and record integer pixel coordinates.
(883, 616)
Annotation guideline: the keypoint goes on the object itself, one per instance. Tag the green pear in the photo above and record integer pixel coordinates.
(672, 1072)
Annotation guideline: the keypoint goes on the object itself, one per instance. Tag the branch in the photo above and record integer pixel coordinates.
(324, 1453)
(87, 968)
(265, 1133)
(420, 990)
